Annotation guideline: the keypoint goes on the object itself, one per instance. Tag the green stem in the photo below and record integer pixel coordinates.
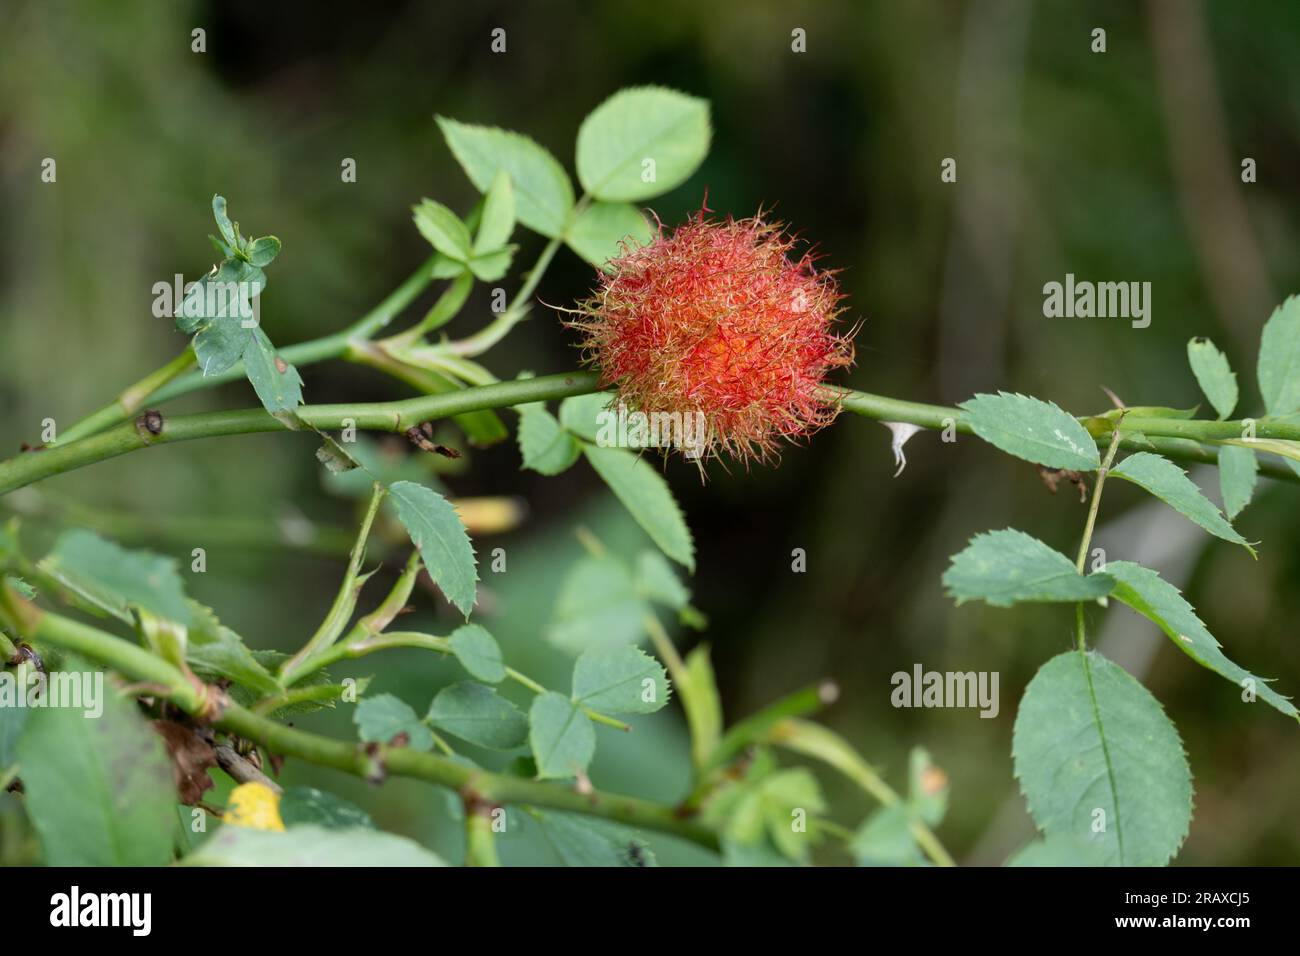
(1174, 438)
(1089, 525)
(345, 602)
(400, 415)
(137, 664)
(379, 416)
(667, 651)
(132, 398)
(480, 841)
(703, 716)
(520, 301)
(441, 743)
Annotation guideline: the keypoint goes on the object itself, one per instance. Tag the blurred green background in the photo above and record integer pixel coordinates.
(1116, 166)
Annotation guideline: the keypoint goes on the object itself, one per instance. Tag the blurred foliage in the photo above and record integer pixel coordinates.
(1066, 163)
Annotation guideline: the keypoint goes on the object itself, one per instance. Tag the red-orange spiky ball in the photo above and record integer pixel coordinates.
(719, 318)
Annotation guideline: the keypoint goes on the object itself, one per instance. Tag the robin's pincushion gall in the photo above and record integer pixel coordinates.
(720, 318)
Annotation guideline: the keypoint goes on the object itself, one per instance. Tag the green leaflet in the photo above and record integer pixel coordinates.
(885, 839)
(12, 721)
(927, 787)
(99, 791)
(444, 268)
(214, 651)
(657, 581)
(1162, 478)
(603, 230)
(262, 251)
(321, 690)
(561, 736)
(775, 805)
(498, 219)
(444, 230)
(491, 266)
(383, 717)
(478, 653)
(476, 713)
(1155, 598)
(1098, 759)
(113, 579)
(1238, 472)
(619, 680)
(1060, 850)
(1214, 375)
(224, 225)
(436, 530)
(641, 142)
(301, 806)
(1279, 359)
(542, 191)
(584, 841)
(702, 703)
(1006, 567)
(580, 414)
(449, 304)
(218, 310)
(598, 606)
(646, 495)
(277, 383)
(310, 846)
(1034, 430)
(546, 447)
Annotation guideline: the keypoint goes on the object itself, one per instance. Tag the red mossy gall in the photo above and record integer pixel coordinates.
(723, 319)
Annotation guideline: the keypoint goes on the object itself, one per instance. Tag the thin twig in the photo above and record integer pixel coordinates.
(241, 770)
